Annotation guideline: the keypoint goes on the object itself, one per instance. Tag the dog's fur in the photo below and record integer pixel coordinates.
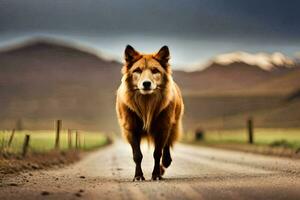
(154, 113)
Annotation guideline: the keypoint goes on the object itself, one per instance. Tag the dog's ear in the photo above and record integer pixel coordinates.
(163, 55)
(130, 54)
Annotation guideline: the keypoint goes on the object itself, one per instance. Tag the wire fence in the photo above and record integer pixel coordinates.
(247, 132)
(21, 142)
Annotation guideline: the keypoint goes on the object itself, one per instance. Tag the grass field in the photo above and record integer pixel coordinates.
(289, 138)
(43, 141)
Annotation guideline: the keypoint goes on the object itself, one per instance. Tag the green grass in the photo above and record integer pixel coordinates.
(43, 141)
(289, 138)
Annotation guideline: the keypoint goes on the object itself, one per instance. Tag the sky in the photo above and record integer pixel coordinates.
(194, 30)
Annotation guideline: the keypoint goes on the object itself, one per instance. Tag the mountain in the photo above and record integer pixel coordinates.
(264, 61)
(236, 73)
(285, 84)
(43, 81)
(221, 79)
(224, 95)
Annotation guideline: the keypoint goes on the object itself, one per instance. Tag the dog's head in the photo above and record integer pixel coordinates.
(146, 73)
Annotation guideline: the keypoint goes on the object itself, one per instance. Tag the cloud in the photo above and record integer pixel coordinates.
(191, 18)
(195, 30)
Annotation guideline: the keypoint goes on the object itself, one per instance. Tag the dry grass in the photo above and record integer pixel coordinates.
(286, 138)
(44, 141)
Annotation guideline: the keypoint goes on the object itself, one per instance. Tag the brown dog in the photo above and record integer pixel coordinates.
(149, 105)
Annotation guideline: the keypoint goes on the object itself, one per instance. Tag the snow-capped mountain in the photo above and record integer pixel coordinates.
(264, 61)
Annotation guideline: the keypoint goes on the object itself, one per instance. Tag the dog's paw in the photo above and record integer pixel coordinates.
(156, 178)
(138, 178)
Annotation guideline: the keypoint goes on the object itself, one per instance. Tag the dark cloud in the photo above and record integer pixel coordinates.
(196, 30)
(185, 18)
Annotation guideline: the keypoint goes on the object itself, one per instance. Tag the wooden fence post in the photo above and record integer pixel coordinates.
(58, 130)
(69, 138)
(250, 130)
(76, 139)
(199, 134)
(11, 137)
(25, 145)
(79, 140)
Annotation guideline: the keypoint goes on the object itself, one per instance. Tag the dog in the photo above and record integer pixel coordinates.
(149, 105)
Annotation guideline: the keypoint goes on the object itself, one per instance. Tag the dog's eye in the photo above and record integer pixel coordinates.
(155, 71)
(138, 70)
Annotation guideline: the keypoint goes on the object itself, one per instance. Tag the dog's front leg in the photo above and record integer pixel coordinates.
(137, 157)
(156, 174)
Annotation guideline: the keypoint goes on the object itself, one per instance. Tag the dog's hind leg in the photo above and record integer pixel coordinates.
(159, 141)
(166, 157)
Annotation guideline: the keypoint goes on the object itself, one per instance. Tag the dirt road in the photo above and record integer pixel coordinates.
(196, 173)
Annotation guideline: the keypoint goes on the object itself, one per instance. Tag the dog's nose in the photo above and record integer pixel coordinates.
(146, 85)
